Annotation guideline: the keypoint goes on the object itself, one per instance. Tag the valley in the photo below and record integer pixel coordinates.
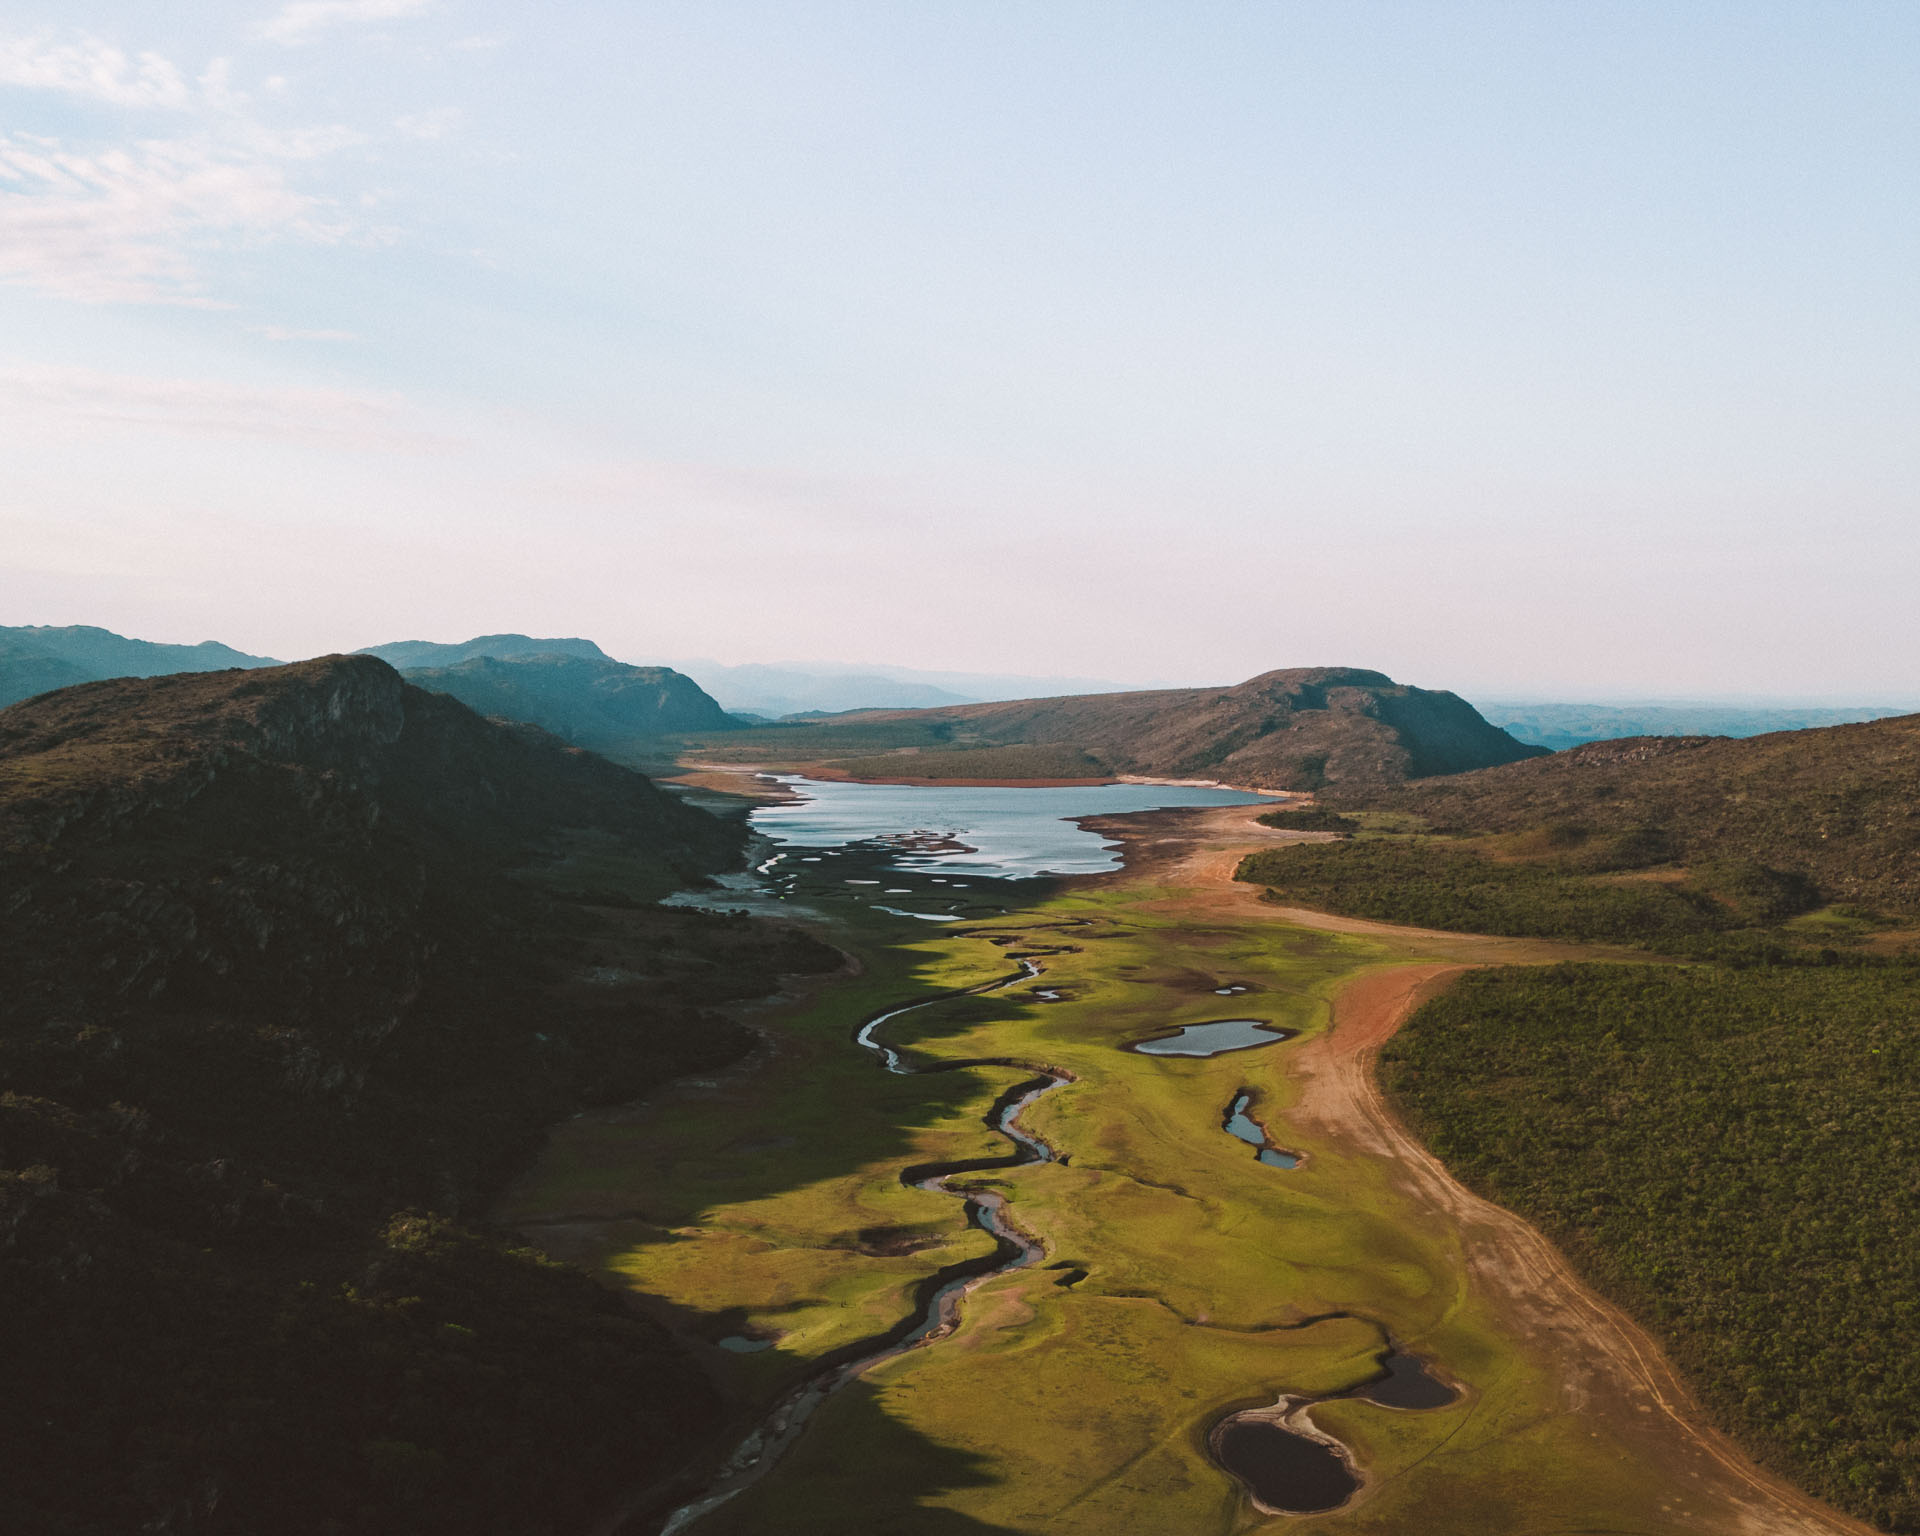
(950, 1156)
(1182, 1280)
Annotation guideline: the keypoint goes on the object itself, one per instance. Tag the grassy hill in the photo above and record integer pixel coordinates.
(598, 703)
(294, 967)
(1838, 806)
(1723, 1147)
(1299, 729)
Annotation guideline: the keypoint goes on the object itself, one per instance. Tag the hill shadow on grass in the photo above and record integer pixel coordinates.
(827, 1488)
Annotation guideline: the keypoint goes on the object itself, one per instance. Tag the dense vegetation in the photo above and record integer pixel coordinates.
(1731, 1154)
(1310, 818)
(1433, 883)
(294, 967)
(1839, 807)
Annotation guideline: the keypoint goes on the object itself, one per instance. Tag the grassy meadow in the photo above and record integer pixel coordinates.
(1184, 1279)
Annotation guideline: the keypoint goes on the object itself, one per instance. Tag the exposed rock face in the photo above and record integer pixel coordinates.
(1295, 729)
(591, 702)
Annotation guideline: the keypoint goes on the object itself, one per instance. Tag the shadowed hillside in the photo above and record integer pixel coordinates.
(294, 966)
(591, 702)
(1297, 729)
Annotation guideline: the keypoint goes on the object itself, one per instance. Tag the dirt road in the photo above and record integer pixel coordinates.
(1610, 1367)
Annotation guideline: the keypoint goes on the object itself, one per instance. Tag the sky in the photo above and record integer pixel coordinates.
(1524, 349)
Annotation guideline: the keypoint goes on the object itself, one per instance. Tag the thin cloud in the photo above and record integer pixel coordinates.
(93, 68)
(299, 21)
(87, 398)
(288, 333)
(428, 125)
(128, 225)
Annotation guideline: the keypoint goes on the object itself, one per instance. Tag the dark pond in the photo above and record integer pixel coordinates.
(1214, 1039)
(1285, 1470)
(1406, 1385)
(740, 1344)
(1240, 1123)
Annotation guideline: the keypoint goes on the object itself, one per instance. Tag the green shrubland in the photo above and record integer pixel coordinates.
(1730, 1154)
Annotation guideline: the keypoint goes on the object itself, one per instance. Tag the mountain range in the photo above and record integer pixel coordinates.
(36, 658)
(1559, 726)
(810, 688)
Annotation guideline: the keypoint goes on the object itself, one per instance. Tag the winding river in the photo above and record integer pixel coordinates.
(937, 1305)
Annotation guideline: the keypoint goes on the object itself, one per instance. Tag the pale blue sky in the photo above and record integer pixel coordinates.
(1512, 348)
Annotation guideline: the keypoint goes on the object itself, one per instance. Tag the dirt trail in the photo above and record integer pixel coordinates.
(1611, 1368)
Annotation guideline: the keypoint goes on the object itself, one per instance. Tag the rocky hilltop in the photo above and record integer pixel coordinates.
(1301, 728)
(294, 966)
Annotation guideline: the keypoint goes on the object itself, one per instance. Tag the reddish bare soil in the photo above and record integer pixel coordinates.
(1611, 1368)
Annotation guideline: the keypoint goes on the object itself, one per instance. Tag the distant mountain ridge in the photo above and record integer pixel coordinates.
(775, 692)
(36, 658)
(409, 654)
(806, 688)
(1560, 726)
(1297, 728)
(592, 702)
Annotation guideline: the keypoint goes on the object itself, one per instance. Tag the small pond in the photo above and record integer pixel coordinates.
(1214, 1039)
(1407, 1384)
(1282, 1469)
(1239, 1123)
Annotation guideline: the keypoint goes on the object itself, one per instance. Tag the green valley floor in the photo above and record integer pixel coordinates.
(1183, 1280)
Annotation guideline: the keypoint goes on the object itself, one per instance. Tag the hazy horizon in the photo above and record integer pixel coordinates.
(1528, 352)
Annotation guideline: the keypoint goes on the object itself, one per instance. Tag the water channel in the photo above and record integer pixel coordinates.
(937, 1310)
(879, 843)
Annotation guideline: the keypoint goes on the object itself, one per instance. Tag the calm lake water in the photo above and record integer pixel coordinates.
(966, 832)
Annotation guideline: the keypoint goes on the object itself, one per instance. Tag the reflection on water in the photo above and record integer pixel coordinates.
(1240, 1123)
(740, 1344)
(1213, 1039)
(1001, 833)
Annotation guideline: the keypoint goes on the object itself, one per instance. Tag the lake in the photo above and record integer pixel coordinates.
(969, 831)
